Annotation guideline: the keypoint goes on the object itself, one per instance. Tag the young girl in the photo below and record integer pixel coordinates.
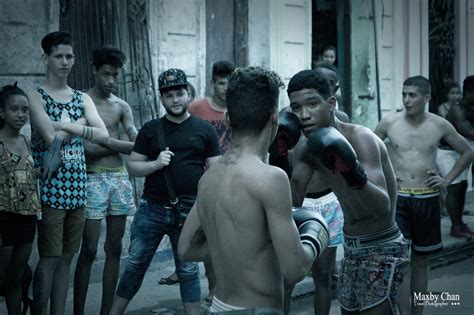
(19, 203)
(328, 54)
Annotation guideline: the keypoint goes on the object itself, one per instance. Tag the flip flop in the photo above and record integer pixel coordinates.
(168, 281)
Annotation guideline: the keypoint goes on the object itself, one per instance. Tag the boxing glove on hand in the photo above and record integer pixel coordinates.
(53, 160)
(329, 147)
(288, 134)
(313, 229)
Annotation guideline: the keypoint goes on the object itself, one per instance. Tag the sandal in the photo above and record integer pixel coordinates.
(172, 279)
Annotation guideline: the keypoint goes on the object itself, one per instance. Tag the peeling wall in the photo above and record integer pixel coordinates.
(22, 26)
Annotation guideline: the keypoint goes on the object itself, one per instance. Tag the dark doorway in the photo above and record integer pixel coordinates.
(219, 35)
(329, 29)
(324, 19)
(441, 47)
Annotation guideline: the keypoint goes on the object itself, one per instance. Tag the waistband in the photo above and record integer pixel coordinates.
(387, 235)
(424, 192)
(321, 201)
(106, 170)
(319, 194)
(219, 307)
(165, 203)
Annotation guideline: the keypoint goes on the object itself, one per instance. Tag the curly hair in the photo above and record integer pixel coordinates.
(468, 85)
(108, 55)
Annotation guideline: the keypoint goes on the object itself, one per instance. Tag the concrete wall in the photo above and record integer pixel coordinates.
(22, 26)
(463, 39)
(363, 77)
(381, 61)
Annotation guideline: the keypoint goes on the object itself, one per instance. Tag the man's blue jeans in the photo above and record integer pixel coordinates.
(151, 222)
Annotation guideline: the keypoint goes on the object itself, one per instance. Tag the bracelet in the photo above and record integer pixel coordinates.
(87, 132)
(89, 135)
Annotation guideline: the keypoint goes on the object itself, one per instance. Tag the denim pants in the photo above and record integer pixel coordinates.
(151, 222)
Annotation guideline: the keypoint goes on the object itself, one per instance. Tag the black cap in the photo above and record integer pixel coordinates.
(172, 77)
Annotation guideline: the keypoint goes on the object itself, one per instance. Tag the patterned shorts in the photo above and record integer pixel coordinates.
(371, 274)
(328, 206)
(109, 194)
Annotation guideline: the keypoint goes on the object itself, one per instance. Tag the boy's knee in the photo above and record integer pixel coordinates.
(322, 277)
(113, 249)
(89, 253)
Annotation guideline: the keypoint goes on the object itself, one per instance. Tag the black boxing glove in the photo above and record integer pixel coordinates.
(53, 160)
(313, 229)
(288, 134)
(329, 147)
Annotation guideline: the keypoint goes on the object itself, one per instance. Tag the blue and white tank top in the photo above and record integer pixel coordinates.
(68, 189)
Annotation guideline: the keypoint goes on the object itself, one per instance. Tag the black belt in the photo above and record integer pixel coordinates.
(372, 239)
(319, 194)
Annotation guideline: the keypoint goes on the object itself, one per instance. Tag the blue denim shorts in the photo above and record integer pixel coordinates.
(151, 222)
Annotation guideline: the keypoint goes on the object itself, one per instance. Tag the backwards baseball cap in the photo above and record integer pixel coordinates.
(172, 77)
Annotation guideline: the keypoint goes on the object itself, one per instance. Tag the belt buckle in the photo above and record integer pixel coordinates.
(174, 201)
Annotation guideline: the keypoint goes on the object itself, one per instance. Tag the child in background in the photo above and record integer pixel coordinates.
(19, 203)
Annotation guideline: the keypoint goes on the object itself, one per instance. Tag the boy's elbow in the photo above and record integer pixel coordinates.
(104, 133)
(183, 253)
(294, 274)
(131, 171)
(471, 155)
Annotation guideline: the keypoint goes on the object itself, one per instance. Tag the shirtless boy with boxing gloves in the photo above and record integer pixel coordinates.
(355, 164)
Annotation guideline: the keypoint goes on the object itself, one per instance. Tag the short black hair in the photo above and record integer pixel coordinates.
(328, 47)
(468, 85)
(108, 55)
(191, 91)
(222, 68)
(5, 93)
(252, 97)
(54, 39)
(310, 79)
(422, 83)
(448, 85)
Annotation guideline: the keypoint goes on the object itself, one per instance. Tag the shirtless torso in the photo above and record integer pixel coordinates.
(118, 119)
(252, 277)
(366, 211)
(413, 145)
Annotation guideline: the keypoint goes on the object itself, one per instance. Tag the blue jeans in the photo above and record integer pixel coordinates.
(151, 222)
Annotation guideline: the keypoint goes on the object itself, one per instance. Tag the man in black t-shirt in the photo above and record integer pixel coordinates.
(189, 145)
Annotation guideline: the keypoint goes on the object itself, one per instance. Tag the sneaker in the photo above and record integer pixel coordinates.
(210, 296)
(459, 232)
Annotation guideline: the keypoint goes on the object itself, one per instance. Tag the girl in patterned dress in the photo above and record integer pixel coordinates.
(19, 203)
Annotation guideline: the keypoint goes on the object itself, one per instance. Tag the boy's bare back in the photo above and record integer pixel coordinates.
(233, 218)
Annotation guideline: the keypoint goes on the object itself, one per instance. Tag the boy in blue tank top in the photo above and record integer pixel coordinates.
(59, 112)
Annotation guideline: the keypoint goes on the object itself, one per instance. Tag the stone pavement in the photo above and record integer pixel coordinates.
(164, 299)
